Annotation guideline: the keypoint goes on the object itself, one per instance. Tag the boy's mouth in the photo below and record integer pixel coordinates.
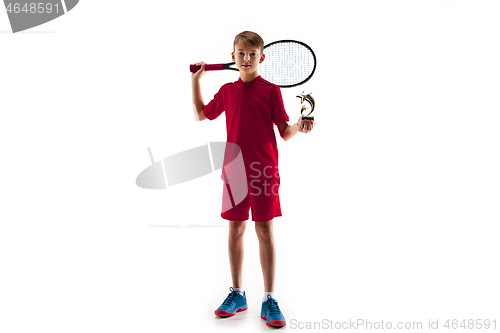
(245, 65)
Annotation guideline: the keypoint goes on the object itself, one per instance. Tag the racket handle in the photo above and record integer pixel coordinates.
(216, 67)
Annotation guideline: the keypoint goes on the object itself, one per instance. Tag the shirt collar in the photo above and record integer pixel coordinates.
(246, 84)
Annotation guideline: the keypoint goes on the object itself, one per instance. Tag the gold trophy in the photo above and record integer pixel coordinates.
(309, 99)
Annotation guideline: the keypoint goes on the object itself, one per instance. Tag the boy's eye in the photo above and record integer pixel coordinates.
(253, 54)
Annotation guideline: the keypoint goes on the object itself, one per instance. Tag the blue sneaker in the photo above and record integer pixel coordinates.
(233, 303)
(271, 313)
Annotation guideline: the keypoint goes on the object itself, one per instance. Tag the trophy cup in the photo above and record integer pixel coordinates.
(308, 98)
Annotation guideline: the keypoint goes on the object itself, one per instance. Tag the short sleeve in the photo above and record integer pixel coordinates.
(278, 114)
(215, 107)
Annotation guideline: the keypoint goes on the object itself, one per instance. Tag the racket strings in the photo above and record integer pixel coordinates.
(287, 63)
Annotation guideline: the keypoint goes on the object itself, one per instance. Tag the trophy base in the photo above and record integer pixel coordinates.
(307, 118)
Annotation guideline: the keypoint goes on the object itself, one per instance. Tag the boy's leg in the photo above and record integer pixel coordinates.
(270, 310)
(235, 247)
(267, 249)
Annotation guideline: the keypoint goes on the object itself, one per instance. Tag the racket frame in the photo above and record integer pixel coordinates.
(303, 44)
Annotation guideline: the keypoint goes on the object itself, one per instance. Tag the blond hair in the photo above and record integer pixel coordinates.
(251, 38)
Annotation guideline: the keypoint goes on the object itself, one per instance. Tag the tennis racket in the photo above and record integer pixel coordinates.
(288, 63)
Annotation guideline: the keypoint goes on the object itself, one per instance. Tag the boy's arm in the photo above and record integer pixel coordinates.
(287, 132)
(198, 103)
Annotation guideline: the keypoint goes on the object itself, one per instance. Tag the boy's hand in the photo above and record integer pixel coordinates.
(200, 72)
(305, 126)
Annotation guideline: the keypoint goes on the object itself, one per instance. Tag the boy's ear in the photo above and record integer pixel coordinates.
(262, 57)
(232, 56)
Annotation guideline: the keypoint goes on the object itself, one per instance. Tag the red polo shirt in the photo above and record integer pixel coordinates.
(251, 110)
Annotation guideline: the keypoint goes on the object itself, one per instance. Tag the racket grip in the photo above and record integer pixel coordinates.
(216, 67)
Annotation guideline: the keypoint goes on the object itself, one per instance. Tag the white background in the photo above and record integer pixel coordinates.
(390, 205)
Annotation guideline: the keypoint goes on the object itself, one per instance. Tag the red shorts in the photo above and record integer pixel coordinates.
(261, 195)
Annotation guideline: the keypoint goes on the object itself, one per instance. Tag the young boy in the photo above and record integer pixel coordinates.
(252, 105)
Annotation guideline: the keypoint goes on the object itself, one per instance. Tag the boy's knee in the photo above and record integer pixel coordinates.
(264, 230)
(237, 228)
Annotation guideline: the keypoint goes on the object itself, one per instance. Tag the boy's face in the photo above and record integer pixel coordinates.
(247, 58)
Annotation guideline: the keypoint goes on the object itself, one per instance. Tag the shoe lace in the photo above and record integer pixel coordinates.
(231, 297)
(272, 305)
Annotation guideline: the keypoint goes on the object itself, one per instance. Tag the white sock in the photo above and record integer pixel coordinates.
(239, 291)
(264, 298)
